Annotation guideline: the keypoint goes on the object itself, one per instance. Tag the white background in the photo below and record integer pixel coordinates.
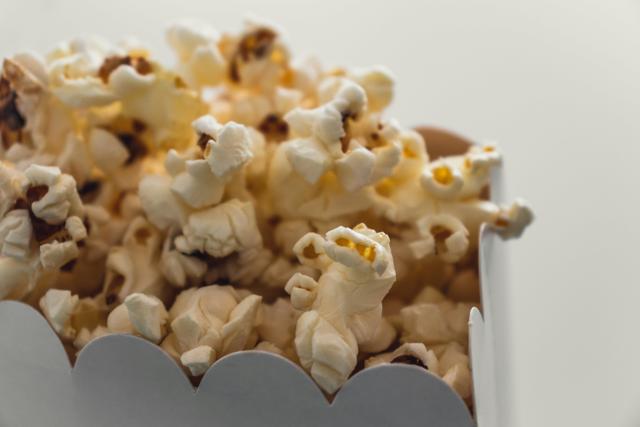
(557, 83)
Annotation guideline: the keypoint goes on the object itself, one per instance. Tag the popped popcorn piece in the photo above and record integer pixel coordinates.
(198, 360)
(57, 306)
(215, 317)
(58, 197)
(256, 58)
(442, 235)
(514, 219)
(268, 347)
(226, 148)
(441, 180)
(21, 94)
(57, 254)
(147, 316)
(433, 319)
(378, 84)
(15, 234)
(455, 370)
(200, 62)
(354, 262)
(161, 206)
(39, 232)
(465, 286)
(180, 269)
(221, 230)
(408, 353)
(278, 326)
(131, 267)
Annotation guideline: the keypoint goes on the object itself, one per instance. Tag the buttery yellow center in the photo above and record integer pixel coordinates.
(443, 175)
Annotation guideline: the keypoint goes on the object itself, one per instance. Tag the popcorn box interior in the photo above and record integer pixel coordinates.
(243, 238)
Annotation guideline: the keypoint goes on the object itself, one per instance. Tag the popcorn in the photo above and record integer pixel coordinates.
(257, 58)
(219, 206)
(198, 360)
(278, 326)
(38, 235)
(215, 317)
(226, 148)
(409, 353)
(433, 320)
(57, 195)
(57, 306)
(327, 338)
(221, 230)
(378, 85)
(443, 235)
(441, 180)
(200, 61)
(131, 267)
(179, 269)
(147, 316)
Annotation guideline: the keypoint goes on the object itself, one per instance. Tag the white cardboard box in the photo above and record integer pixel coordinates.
(121, 380)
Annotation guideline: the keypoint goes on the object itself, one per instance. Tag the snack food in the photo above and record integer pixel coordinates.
(241, 200)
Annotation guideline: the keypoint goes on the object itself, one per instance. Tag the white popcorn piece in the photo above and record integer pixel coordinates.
(408, 353)
(378, 84)
(118, 320)
(84, 336)
(358, 262)
(221, 230)
(15, 234)
(226, 148)
(147, 315)
(425, 323)
(442, 235)
(356, 168)
(213, 316)
(107, 151)
(76, 229)
(17, 278)
(239, 329)
(180, 269)
(57, 306)
(455, 370)
(514, 219)
(161, 206)
(385, 335)
(132, 267)
(278, 324)
(197, 186)
(198, 360)
(60, 200)
(433, 320)
(56, 254)
(441, 180)
(200, 61)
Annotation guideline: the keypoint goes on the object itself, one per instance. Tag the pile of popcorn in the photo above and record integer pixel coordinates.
(220, 205)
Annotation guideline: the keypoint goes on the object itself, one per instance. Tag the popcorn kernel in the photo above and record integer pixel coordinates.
(443, 175)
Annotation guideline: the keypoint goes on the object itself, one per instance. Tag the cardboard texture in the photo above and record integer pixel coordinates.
(121, 380)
